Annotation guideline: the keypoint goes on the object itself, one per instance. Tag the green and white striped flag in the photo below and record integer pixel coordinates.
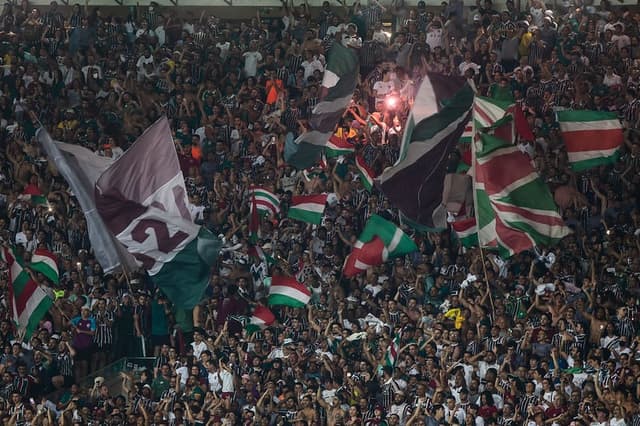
(261, 318)
(391, 355)
(29, 302)
(591, 138)
(466, 231)
(265, 200)
(45, 262)
(367, 175)
(308, 208)
(286, 291)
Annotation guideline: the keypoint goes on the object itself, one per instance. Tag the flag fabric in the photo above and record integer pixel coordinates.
(487, 112)
(467, 134)
(338, 83)
(254, 221)
(366, 173)
(143, 200)
(435, 124)
(523, 130)
(379, 240)
(365, 256)
(34, 199)
(81, 168)
(338, 145)
(45, 262)
(391, 354)
(514, 208)
(286, 291)
(261, 318)
(257, 252)
(265, 201)
(466, 231)
(591, 138)
(29, 302)
(308, 208)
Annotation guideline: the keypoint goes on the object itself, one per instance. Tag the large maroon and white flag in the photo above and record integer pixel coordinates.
(142, 198)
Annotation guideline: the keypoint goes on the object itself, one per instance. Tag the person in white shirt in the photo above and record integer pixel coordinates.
(380, 35)
(252, 60)
(310, 65)
(160, 32)
(382, 88)
(92, 68)
(198, 344)
(611, 78)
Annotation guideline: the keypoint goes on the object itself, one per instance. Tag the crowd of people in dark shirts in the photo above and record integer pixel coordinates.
(547, 337)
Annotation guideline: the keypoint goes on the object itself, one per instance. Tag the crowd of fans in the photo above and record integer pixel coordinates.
(549, 337)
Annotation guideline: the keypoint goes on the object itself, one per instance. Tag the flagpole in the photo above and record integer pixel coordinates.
(486, 280)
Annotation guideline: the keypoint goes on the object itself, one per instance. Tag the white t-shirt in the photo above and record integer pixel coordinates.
(227, 381)
(612, 80)
(251, 60)
(382, 89)
(214, 382)
(311, 66)
(198, 348)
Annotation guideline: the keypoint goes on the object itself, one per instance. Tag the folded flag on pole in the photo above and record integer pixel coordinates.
(366, 173)
(308, 208)
(338, 84)
(261, 318)
(286, 291)
(435, 124)
(514, 208)
(339, 145)
(142, 199)
(254, 221)
(591, 138)
(466, 231)
(29, 302)
(380, 240)
(46, 263)
(391, 354)
(265, 200)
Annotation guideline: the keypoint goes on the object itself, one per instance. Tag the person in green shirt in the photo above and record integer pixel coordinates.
(162, 382)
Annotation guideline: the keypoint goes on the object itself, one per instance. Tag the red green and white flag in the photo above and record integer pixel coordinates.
(308, 208)
(367, 175)
(265, 200)
(391, 355)
(257, 252)
(380, 240)
(337, 146)
(365, 256)
(514, 208)
(34, 199)
(467, 135)
(29, 302)
(143, 201)
(261, 318)
(286, 291)
(591, 138)
(466, 231)
(46, 263)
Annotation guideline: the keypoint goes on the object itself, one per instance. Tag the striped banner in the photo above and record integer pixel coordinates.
(591, 138)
